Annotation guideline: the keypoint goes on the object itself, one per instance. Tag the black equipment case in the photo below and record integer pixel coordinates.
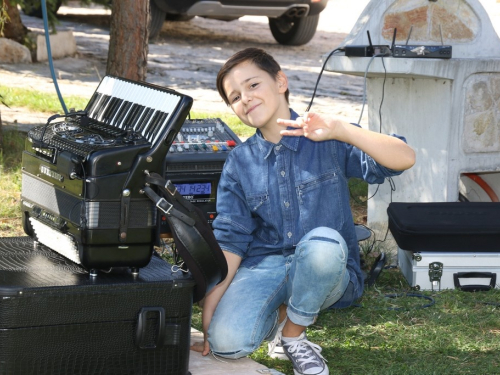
(447, 245)
(446, 226)
(57, 319)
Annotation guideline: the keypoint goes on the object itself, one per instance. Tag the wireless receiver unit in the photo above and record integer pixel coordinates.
(422, 51)
(367, 50)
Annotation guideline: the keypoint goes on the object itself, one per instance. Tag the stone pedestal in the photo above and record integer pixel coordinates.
(449, 110)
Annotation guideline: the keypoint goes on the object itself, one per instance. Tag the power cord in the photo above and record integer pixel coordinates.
(49, 55)
(320, 74)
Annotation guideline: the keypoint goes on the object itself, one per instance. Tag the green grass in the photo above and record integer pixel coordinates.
(10, 183)
(39, 101)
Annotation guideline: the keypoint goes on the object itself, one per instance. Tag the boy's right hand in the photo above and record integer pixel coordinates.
(201, 347)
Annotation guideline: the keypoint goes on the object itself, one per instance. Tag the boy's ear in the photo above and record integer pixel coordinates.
(282, 82)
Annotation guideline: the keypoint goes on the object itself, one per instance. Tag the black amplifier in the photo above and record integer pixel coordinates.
(194, 163)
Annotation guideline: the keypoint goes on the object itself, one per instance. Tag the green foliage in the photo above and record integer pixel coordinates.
(4, 17)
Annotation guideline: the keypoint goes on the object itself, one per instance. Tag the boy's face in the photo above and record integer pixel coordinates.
(254, 95)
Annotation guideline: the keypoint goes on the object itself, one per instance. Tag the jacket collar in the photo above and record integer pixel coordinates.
(290, 142)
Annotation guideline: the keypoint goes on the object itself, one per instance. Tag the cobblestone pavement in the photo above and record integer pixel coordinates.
(187, 56)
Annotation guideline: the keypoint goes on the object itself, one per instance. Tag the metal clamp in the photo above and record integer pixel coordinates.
(160, 201)
(169, 183)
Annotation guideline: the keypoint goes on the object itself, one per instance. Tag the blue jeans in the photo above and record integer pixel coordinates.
(312, 279)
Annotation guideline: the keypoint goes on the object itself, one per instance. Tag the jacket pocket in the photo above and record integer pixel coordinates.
(321, 203)
(260, 207)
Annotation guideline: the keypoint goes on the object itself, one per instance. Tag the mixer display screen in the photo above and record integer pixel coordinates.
(196, 188)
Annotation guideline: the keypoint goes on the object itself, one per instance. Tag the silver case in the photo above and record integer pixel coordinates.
(415, 268)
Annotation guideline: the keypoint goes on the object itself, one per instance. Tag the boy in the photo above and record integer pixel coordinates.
(284, 221)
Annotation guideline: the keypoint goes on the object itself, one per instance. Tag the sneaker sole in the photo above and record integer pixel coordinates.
(281, 356)
(324, 372)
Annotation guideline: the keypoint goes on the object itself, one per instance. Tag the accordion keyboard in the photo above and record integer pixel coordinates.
(131, 106)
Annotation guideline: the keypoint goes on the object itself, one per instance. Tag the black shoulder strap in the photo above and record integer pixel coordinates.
(193, 236)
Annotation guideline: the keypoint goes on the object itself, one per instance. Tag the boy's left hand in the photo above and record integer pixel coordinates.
(314, 126)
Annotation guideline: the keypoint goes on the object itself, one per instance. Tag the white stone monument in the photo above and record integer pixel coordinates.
(448, 109)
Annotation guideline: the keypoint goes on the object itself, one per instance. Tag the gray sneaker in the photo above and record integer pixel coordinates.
(274, 348)
(305, 356)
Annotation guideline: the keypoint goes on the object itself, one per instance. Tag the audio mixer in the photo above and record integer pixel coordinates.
(194, 163)
(202, 140)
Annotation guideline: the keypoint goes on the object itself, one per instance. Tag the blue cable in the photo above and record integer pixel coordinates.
(49, 55)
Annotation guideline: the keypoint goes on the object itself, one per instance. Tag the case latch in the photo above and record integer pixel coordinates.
(435, 273)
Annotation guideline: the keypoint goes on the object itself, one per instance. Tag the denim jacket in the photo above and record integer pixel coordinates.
(270, 195)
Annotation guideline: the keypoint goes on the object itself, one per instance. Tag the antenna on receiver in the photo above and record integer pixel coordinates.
(394, 39)
(369, 38)
(409, 33)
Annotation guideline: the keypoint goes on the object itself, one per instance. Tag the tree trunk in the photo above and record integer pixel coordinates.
(14, 28)
(128, 42)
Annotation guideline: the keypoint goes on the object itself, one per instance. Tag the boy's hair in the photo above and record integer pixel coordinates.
(257, 56)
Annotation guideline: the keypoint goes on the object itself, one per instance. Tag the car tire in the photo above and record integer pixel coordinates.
(293, 32)
(157, 17)
(178, 17)
(34, 9)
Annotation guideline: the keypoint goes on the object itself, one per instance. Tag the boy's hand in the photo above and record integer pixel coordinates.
(313, 126)
(201, 347)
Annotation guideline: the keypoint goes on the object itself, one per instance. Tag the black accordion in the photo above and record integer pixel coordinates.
(83, 174)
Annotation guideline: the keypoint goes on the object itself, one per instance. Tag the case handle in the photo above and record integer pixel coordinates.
(472, 275)
(142, 333)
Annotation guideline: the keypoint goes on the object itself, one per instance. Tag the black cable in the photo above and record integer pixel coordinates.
(397, 295)
(319, 76)
(383, 93)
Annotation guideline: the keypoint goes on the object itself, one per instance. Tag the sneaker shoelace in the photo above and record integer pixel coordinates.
(303, 351)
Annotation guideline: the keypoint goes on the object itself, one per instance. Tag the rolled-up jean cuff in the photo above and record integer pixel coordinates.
(235, 355)
(299, 317)
(305, 319)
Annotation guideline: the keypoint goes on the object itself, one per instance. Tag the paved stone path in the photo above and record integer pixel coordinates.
(188, 55)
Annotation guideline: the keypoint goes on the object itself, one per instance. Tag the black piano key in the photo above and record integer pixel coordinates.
(92, 107)
(102, 107)
(92, 102)
(124, 109)
(116, 111)
(110, 110)
(144, 120)
(156, 125)
(127, 123)
(135, 117)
